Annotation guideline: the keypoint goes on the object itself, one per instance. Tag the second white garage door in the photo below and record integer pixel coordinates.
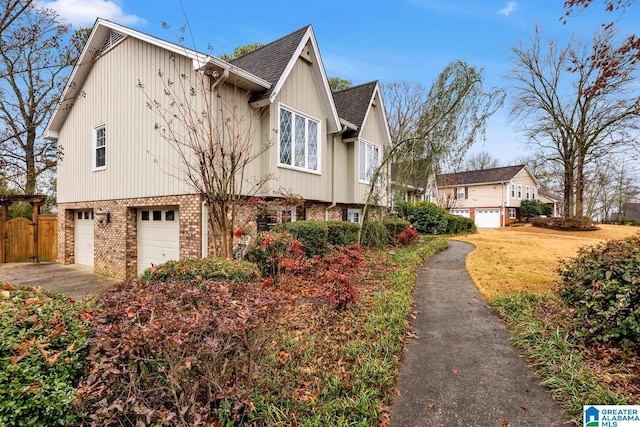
(487, 218)
(158, 236)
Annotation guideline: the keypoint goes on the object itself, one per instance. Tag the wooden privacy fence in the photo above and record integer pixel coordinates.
(27, 241)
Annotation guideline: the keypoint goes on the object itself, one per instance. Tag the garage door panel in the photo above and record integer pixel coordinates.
(487, 218)
(158, 236)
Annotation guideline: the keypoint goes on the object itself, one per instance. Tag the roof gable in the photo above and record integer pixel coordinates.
(483, 176)
(106, 35)
(275, 61)
(354, 106)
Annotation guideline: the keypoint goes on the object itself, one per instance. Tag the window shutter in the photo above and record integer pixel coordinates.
(466, 192)
(344, 215)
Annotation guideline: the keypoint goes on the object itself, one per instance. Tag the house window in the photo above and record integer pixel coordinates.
(528, 192)
(462, 193)
(533, 193)
(519, 191)
(512, 213)
(100, 147)
(145, 216)
(277, 215)
(354, 215)
(299, 145)
(369, 161)
(513, 191)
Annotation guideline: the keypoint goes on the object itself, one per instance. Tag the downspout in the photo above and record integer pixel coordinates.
(205, 229)
(333, 173)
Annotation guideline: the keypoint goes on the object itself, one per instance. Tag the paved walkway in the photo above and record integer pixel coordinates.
(75, 281)
(462, 371)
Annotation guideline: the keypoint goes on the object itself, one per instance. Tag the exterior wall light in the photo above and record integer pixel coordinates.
(103, 218)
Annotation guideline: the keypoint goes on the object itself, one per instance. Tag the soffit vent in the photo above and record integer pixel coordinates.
(113, 39)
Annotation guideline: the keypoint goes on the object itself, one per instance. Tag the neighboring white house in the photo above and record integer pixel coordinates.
(491, 197)
(123, 200)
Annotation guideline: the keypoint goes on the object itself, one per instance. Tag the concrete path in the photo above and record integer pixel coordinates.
(75, 281)
(462, 371)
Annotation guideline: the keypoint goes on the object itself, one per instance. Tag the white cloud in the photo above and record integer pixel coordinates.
(83, 13)
(511, 6)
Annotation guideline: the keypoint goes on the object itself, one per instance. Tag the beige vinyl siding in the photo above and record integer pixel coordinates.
(300, 94)
(483, 196)
(139, 161)
(524, 179)
(372, 132)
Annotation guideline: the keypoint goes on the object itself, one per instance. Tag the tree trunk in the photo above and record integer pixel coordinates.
(580, 181)
(567, 210)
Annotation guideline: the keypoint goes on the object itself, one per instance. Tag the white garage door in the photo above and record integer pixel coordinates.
(487, 218)
(158, 236)
(461, 212)
(83, 238)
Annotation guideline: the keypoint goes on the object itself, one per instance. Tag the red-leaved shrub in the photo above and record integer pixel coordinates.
(175, 354)
(336, 272)
(408, 236)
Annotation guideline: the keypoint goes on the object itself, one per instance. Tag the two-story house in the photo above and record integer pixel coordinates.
(124, 201)
(491, 197)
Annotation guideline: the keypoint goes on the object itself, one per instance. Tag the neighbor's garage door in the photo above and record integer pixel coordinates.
(83, 238)
(461, 212)
(158, 236)
(487, 218)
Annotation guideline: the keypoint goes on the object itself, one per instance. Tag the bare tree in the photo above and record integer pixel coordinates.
(32, 74)
(430, 129)
(12, 10)
(479, 161)
(571, 123)
(213, 129)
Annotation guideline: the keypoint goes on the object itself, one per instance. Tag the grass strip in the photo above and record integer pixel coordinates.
(342, 370)
(554, 355)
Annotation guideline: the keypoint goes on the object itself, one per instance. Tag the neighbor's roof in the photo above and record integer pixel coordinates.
(483, 176)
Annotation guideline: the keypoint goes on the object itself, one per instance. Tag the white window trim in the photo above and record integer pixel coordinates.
(519, 191)
(350, 213)
(461, 193)
(512, 213)
(94, 145)
(513, 191)
(528, 192)
(365, 142)
(307, 117)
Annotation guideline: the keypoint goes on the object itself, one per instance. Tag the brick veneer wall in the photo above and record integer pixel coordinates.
(115, 246)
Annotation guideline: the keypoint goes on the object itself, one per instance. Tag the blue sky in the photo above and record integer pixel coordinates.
(400, 40)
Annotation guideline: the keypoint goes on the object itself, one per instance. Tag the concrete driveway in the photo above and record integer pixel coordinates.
(76, 281)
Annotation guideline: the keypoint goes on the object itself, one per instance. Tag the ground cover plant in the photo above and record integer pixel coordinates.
(43, 343)
(517, 271)
(320, 346)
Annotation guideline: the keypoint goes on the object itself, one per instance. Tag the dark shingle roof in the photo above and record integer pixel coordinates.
(270, 61)
(352, 104)
(482, 176)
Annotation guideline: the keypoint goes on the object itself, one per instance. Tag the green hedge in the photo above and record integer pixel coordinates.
(200, 269)
(43, 346)
(311, 234)
(457, 224)
(342, 233)
(603, 285)
(426, 217)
